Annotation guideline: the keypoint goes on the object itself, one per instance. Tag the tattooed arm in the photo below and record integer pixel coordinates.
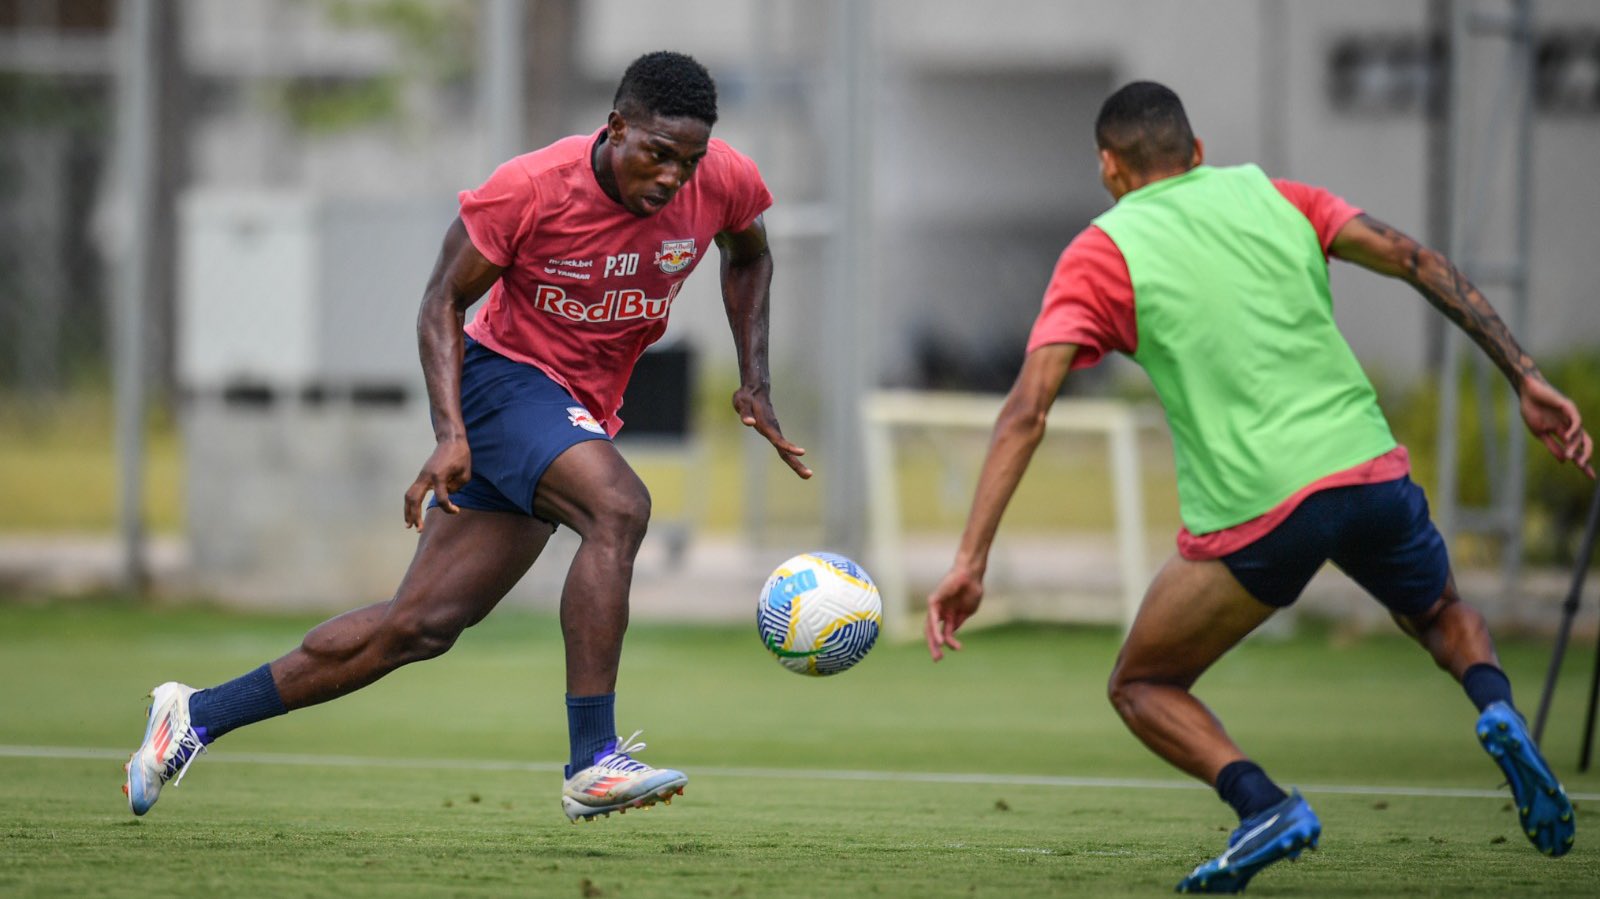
(1551, 417)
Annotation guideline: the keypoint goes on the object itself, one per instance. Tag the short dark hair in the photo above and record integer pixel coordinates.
(1144, 125)
(668, 84)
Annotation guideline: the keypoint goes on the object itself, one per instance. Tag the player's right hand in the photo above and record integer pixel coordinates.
(949, 606)
(446, 471)
(1554, 419)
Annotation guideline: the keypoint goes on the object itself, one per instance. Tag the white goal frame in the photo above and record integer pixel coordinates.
(885, 412)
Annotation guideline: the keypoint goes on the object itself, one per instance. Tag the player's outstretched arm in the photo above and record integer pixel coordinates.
(460, 276)
(1017, 433)
(746, 295)
(1549, 415)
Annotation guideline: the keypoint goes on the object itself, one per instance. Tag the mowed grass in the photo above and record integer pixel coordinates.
(458, 793)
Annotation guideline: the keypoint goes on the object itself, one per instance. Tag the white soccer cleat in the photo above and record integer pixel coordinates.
(170, 746)
(617, 782)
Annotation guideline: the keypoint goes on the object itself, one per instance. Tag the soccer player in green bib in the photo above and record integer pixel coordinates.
(1215, 281)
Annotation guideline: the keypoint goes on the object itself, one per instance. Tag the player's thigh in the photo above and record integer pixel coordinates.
(1193, 612)
(590, 484)
(466, 563)
(1392, 549)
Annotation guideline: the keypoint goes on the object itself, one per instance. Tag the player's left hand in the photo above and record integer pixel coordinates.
(1554, 419)
(755, 410)
(949, 606)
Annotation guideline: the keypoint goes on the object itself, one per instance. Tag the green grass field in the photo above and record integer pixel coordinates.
(442, 780)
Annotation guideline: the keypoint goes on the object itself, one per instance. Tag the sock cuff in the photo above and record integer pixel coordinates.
(1486, 684)
(1234, 770)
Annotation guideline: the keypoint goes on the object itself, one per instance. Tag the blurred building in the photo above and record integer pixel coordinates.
(309, 151)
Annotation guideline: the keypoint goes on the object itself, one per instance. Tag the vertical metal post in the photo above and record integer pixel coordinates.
(1516, 445)
(1450, 347)
(500, 86)
(847, 315)
(1274, 89)
(756, 454)
(1470, 207)
(135, 142)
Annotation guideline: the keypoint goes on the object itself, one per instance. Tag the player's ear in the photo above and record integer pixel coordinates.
(1110, 166)
(616, 127)
(1199, 152)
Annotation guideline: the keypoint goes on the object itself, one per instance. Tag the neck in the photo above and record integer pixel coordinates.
(1143, 179)
(600, 163)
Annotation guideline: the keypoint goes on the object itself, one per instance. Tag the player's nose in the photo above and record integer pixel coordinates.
(670, 179)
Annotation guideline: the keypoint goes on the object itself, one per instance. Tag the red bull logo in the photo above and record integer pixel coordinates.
(616, 305)
(581, 418)
(675, 255)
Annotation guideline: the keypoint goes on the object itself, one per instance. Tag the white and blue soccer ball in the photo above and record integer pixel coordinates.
(819, 614)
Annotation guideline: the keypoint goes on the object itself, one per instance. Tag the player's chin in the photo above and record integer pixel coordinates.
(647, 205)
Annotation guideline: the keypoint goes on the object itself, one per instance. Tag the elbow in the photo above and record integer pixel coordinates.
(1025, 420)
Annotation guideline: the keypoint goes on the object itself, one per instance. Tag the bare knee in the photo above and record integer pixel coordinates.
(1128, 691)
(415, 638)
(1454, 632)
(1123, 694)
(620, 517)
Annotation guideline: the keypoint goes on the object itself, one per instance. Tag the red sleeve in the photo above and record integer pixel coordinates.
(499, 214)
(1089, 301)
(1327, 211)
(747, 194)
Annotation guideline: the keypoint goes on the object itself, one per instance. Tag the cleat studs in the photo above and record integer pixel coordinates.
(1504, 726)
(1567, 817)
(1525, 810)
(1483, 734)
(1532, 834)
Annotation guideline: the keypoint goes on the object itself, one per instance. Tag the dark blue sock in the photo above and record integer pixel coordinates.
(1486, 684)
(243, 700)
(591, 724)
(1247, 788)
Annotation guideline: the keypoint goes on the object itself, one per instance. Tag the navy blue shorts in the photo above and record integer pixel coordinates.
(518, 422)
(1379, 534)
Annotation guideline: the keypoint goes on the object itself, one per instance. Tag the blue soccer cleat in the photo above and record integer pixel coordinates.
(1282, 831)
(1542, 805)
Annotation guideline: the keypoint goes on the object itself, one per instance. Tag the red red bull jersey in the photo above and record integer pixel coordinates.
(588, 285)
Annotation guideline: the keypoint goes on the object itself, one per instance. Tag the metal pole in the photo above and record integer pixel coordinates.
(135, 142)
(500, 81)
(1569, 610)
(756, 454)
(1450, 348)
(846, 373)
(1517, 449)
(1275, 107)
(1586, 752)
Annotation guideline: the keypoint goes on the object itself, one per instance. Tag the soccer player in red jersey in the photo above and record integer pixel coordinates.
(582, 247)
(1215, 281)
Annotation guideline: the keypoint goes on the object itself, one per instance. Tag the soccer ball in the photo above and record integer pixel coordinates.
(819, 614)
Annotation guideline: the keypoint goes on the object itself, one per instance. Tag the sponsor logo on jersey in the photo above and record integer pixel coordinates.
(581, 418)
(616, 305)
(675, 255)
